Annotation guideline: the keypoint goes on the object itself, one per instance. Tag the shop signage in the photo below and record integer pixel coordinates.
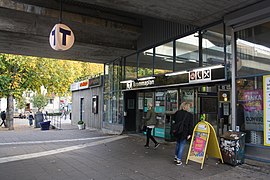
(74, 87)
(94, 82)
(144, 83)
(266, 92)
(61, 37)
(84, 84)
(200, 75)
(204, 141)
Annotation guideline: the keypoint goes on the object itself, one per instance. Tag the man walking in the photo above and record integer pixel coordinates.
(3, 117)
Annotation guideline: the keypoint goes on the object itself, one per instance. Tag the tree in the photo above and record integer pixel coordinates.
(25, 73)
(39, 101)
(16, 76)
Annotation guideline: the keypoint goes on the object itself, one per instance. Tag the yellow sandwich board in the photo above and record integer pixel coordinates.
(204, 142)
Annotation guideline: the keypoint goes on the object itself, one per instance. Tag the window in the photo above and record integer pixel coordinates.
(213, 45)
(145, 63)
(253, 50)
(131, 67)
(250, 108)
(164, 58)
(187, 52)
(50, 101)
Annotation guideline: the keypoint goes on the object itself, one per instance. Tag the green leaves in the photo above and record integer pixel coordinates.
(39, 101)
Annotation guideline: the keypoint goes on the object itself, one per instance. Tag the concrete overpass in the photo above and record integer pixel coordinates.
(104, 29)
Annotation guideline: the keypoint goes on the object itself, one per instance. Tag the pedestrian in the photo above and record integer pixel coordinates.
(150, 122)
(185, 119)
(3, 117)
(30, 118)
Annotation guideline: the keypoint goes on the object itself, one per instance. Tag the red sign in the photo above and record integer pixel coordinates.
(83, 84)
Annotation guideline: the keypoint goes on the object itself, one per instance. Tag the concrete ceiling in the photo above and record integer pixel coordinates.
(104, 29)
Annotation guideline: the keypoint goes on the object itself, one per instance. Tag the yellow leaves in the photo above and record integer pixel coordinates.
(25, 72)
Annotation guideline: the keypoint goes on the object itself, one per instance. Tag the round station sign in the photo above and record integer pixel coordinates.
(61, 37)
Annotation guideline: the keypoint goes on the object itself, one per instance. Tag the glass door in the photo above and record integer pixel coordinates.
(160, 113)
(171, 108)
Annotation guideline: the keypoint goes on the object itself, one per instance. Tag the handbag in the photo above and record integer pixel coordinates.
(144, 128)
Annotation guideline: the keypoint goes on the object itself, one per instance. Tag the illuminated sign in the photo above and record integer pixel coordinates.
(83, 84)
(200, 75)
(61, 37)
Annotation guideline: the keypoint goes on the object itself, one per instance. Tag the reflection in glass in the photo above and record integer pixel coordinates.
(253, 52)
(187, 52)
(131, 67)
(213, 45)
(164, 58)
(250, 108)
(145, 63)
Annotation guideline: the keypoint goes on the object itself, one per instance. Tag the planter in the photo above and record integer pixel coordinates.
(81, 126)
(45, 125)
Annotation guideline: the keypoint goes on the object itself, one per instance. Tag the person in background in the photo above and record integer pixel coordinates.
(150, 122)
(30, 118)
(184, 116)
(3, 117)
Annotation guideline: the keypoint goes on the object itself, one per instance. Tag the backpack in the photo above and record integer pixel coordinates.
(178, 128)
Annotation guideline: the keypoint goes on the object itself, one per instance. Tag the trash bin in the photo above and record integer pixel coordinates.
(45, 125)
(38, 118)
(232, 146)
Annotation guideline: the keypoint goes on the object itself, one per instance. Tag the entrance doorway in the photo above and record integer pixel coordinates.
(130, 111)
(214, 103)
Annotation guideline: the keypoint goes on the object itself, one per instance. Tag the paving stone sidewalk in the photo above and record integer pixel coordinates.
(96, 159)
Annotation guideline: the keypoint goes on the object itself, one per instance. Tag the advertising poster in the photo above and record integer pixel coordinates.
(188, 96)
(198, 146)
(266, 91)
(253, 109)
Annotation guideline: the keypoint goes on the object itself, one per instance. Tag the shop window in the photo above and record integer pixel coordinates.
(50, 101)
(187, 52)
(164, 58)
(145, 67)
(108, 77)
(117, 74)
(253, 50)
(250, 111)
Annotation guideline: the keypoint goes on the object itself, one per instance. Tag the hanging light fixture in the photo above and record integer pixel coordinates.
(61, 36)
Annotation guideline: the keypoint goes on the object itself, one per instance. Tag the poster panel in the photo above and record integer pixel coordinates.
(253, 109)
(266, 92)
(197, 152)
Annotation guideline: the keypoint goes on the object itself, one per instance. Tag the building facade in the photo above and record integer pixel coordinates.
(222, 69)
(87, 102)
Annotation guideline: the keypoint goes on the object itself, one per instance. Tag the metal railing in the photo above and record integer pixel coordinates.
(55, 119)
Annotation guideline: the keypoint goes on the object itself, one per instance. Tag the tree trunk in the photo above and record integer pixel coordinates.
(10, 109)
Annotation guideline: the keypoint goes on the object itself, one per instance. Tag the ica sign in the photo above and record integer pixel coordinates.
(61, 37)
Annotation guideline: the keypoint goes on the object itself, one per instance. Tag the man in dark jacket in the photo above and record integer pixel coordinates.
(184, 118)
(3, 117)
